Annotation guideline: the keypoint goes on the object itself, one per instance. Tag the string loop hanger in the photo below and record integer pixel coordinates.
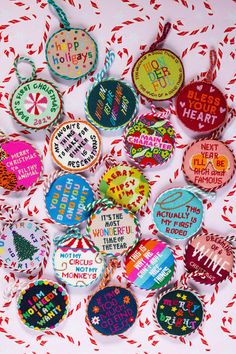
(160, 38)
(213, 60)
(108, 63)
(21, 59)
(61, 14)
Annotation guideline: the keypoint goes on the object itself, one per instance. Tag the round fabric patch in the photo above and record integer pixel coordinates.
(178, 213)
(112, 310)
(111, 104)
(75, 145)
(77, 266)
(158, 75)
(179, 312)
(71, 53)
(125, 185)
(149, 141)
(23, 246)
(208, 164)
(150, 264)
(67, 199)
(43, 305)
(113, 230)
(210, 254)
(201, 107)
(36, 104)
(20, 165)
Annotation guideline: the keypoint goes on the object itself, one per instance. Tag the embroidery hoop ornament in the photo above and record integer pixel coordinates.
(8, 140)
(100, 207)
(160, 118)
(132, 277)
(195, 88)
(113, 264)
(152, 52)
(37, 106)
(182, 285)
(63, 294)
(93, 133)
(99, 79)
(230, 159)
(7, 217)
(111, 163)
(199, 276)
(48, 185)
(79, 244)
(70, 33)
(196, 193)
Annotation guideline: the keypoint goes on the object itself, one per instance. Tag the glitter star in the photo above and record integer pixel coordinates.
(162, 307)
(183, 328)
(174, 309)
(178, 295)
(169, 327)
(196, 318)
(184, 297)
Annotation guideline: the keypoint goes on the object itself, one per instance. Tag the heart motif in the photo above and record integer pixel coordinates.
(222, 110)
(179, 313)
(212, 89)
(182, 104)
(200, 126)
(199, 87)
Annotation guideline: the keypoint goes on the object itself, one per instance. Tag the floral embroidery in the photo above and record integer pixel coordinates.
(95, 320)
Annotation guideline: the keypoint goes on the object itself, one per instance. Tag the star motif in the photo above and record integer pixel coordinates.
(183, 328)
(184, 297)
(196, 318)
(126, 300)
(162, 307)
(178, 295)
(95, 320)
(96, 309)
(174, 309)
(169, 327)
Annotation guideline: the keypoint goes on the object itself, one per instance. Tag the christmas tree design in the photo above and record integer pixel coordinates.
(24, 249)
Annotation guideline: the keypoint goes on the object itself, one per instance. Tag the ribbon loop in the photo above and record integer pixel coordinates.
(108, 159)
(100, 203)
(213, 59)
(160, 112)
(209, 195)
(24, 60)
(14, 285)
(71, 232)
(108, 62)
(162, 37)
(61, 14)
(111, 267)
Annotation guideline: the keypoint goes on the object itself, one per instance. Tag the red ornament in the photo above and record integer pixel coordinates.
(201, 107)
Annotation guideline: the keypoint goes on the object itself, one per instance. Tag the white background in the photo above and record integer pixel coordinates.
(25, 37)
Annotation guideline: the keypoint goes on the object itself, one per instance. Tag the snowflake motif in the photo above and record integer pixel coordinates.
(126, 300)
(95, 320)
(35, 103)
(96, 309)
